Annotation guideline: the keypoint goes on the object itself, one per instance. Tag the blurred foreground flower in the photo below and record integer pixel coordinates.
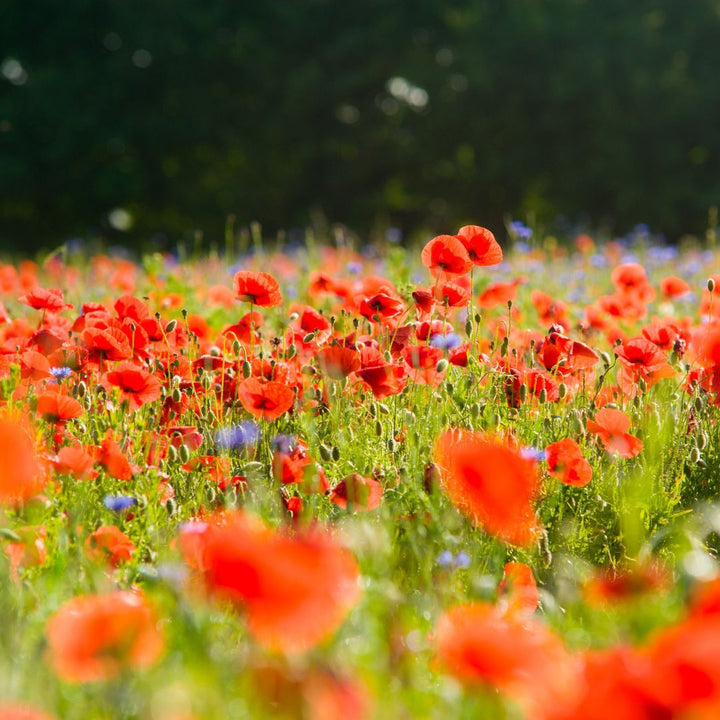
(295, 590)
(96, 637)
(491, 482)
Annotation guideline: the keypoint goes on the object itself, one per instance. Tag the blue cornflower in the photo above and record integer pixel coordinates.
(445, 559)
(283, 443)
(462, 560)
(60, 372)
(520, 230)
(119, 503)
(532, 453)
(446, 341)
(234, 437)
(354, 267)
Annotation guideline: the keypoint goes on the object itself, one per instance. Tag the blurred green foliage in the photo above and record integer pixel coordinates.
(370, 112)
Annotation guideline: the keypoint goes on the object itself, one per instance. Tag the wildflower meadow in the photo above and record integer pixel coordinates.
(475, 478)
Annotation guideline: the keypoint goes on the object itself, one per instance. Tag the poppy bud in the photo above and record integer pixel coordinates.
(172, 453)
(291, 352)
(372, 409)
(388, 356)
(170, 327)
(246, 369)
(383, 408)
(410, 417)
(504, 346)
(562, 391)
(477, 318)
(468, 327)
(543, 396)
(695, 455)
(578, 425)
(449, 387)
(184, 453)
(335, 453)
(642, 384)
(431, 478)
(442, 365)
(493, 420)
(325, 452)
(711, 285)
(176, 395)
(170, 506)
(699, 403)
(81, 389)
(293, 317)
(522, 393)
(206, 381)
(378, 428)
(605, 358)
(475, 410)
(702, 440)
(236, 347)
(184, 313)
(308, 338)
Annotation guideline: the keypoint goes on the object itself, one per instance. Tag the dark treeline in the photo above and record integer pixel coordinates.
(410, 113)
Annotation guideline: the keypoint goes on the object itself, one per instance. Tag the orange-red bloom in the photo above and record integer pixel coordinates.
(109, 544)
(518, 589)
(20, 711)
(612, 426)
(492, 483)
(445, 256)
(136, 384)
(481, 245)
(295, 590)
(258, 288)
(57, 408)
(356, 492)
(96, 637)
(266, 400)
(566, 462)
(338, 361)
(41, 299)
(21, 476)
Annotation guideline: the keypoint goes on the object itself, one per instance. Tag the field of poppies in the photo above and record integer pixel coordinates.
(469, 479)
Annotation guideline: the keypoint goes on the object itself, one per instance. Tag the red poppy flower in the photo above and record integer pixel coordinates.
(56, 407)
(76, 461)
(34, 366)
(112, 459)
(381, 306)
(424, 359)
(242, 329)
(109, 544)
(21, 476)
(297, 466)
(518, 590)
(295, 591)
(481, 245)
(491, 483)
(627, 583)
(18, 711)
(612, 426)
(266, 400)
(452, 294)
(136, 384)
(97, 637)
(630, 279)
(424, 302)
(566, 462)
(674, 287)
(338, 361)
(257, 288)
(640, 358)
(28, 551)
(41, 299)
(480, 645)
(107, 344)
(384, 379)
(356, 492)
(445, 255)
(498, 294)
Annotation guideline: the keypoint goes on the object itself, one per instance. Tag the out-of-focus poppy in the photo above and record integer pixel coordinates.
(295, 591)
(481, 245)
(498, 294)
(674, 287)
(338, 361)
(491, 482)
(257, 288)
(21, 475)
(628, 583)
(356, 492)
(381, 306)
(566, 462)
(423, 361)
(109, 544)
(265, 400)
(518, 590)
(57, 407)
(630, 280)
(76, 461)
(639, 358)
(445, 256)
(612, 426)
(111, 457)
(48, 300)
(96, 637)
(29, 550)
(481, 645)
(21, 711)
